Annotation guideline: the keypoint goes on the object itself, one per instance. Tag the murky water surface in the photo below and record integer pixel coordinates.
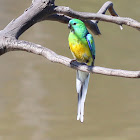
(38, 99)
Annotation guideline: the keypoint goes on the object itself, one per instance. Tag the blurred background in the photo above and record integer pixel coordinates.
(38, 99)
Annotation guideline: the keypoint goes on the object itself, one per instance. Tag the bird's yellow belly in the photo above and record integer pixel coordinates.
(80, 51)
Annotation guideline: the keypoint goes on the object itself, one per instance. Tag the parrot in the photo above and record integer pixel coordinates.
(82, 46)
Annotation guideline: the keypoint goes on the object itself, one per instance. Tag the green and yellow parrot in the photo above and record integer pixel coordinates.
(82, 47)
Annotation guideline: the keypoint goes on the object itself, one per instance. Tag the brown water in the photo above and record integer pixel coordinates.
(38, 99)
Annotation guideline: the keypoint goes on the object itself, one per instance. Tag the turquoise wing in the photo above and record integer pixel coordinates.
(91, 44)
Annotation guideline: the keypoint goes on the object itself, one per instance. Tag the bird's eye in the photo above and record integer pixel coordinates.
(74, 23)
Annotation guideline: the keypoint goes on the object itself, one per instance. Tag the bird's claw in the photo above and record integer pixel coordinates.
(73, 60)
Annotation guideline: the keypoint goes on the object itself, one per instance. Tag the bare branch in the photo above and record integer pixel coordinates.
(107, 6)
(91, 24)
(10, 44)
(46, 10)
(31, 15)
(97, 16)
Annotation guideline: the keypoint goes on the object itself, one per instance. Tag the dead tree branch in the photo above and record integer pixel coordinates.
(16, 45)
(99, 17)
(46, 10)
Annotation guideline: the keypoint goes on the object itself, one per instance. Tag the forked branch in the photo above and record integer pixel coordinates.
(99, 17)
(46, 10)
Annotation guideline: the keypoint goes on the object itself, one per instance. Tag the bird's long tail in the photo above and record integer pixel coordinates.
(82, 80)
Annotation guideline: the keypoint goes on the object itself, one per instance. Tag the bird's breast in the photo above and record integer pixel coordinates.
(80, 50)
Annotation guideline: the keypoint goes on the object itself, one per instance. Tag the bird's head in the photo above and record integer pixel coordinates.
(77, 26)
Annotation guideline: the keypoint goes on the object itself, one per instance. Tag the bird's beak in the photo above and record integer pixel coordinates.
(69, 26)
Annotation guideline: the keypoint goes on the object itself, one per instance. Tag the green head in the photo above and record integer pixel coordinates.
(78, 27)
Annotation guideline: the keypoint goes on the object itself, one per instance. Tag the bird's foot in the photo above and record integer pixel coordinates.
(73, 60)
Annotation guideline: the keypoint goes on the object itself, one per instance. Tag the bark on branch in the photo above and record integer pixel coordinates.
(98, 16)
(16, 45)
(46, 10)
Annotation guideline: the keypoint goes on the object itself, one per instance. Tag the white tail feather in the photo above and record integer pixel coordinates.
(82, 80)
